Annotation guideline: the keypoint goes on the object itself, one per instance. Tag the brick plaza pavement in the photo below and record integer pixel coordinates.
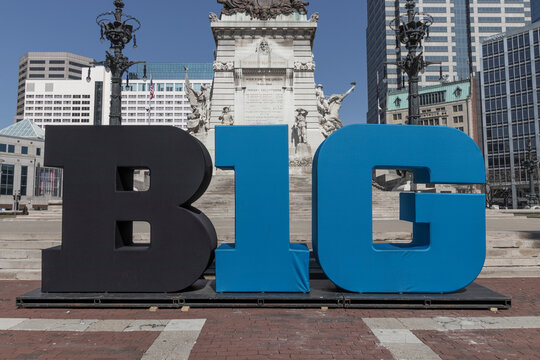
(273, 333)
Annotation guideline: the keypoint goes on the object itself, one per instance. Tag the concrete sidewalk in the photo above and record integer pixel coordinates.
(273, 333)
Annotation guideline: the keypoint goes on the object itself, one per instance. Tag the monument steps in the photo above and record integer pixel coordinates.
(507, 252)
(512, 243)
(513, 252)
(20, 274)
(511, 262)
(17, 264)
(28, 245)
(510, 272)
(29, 236)
(19, 254)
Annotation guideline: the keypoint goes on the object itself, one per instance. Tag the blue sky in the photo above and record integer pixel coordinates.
(174, 30)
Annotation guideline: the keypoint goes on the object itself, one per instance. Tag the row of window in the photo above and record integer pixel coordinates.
(178, 116)
(58, 96)
(133, 102)
(69, 120)
(58, 114)
(168, 87)
(127, 96)
(158, 108)
(59, 108)
(10, 149)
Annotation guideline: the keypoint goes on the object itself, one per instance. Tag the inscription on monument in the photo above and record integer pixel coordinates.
(264, 100)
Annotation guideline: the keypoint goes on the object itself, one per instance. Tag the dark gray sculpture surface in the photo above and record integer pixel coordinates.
(97, 252)
(263, 9)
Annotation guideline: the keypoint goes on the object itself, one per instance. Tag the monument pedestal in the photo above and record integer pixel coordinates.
(264, 71)
(301, 156)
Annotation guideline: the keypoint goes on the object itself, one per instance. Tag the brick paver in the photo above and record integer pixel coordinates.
(290, 334)
(282, 333)
(522, 344)
(70, 346)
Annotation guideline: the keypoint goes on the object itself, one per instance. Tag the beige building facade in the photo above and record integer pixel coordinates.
(47, 66)
(447, 104)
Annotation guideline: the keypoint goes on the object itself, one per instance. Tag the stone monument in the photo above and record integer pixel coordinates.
(200, 107)
(264, 74)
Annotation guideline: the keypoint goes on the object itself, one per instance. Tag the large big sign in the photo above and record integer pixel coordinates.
(98, 254)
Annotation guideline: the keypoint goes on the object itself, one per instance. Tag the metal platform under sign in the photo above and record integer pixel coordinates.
(323, 294)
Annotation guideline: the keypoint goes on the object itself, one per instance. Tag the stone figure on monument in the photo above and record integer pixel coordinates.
(200, 106)
(299, 130)
(226, 118)
(322, 102)
(213, 17)
(264, 47)
(263, 9)
(330, 120)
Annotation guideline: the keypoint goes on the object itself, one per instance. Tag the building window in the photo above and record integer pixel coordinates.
(76, 64)
(458, 108)
(24, 150)
(458, 119)
(38, 151)
(48, 182)
(6, 179)
(11, 149)
(24, 179)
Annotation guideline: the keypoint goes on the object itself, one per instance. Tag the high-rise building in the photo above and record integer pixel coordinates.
(50, 66)
(510, 83)
(86, 101)
(455, 37)
(535, 10)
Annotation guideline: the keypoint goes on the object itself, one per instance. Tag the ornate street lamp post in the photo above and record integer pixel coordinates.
(119, 29)
(531, 164)
(410, 31)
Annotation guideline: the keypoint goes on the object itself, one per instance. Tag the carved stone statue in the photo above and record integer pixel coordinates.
(213, 17)
(305, 66)
(329, 120)
(226, 118)
(299, 130)
(263, 9)
(322, 102)
(200, 106)
(314, 18)
(264, 47)
(223, 66)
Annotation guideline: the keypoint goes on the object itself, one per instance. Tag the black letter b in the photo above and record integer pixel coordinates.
(97, 252)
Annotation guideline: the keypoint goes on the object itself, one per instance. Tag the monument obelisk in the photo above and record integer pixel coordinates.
(264, 66)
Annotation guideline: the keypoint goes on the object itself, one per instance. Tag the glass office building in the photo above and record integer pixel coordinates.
(535, 10)
(175, 71)
(455, 38)
(510, 83)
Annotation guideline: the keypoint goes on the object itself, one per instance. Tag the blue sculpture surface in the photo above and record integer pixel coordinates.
(262, 258)
(449, 240)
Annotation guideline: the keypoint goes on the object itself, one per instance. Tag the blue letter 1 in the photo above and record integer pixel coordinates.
(262, 258)
(449, 239)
